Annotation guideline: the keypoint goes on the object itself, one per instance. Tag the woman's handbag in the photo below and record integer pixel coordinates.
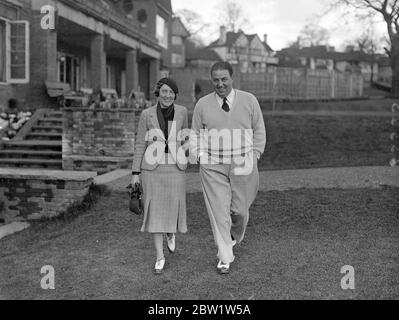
(135, 202)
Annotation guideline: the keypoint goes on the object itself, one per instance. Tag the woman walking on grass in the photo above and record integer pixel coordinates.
(159, 165)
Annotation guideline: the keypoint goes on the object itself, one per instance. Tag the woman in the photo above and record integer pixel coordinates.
(159, 166)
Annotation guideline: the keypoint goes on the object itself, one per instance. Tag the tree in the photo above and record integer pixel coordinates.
(313, 35)
(367, 44)
(388, 10)
(297, 44)
(194, 24)
(231, 16)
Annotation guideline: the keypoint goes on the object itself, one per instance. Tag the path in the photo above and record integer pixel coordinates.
(344, 178)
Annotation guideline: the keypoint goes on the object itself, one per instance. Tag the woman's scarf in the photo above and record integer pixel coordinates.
(164, 116)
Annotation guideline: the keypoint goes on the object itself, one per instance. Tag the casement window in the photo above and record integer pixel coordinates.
(14, 51)
(162, 33)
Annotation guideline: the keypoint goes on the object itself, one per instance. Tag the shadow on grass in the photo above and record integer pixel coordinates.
(295, 246)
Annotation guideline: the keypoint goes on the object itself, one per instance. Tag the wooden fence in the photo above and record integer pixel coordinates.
(291, 84)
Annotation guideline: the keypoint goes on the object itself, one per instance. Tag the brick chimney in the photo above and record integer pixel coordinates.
(265, 38)
(222, 38)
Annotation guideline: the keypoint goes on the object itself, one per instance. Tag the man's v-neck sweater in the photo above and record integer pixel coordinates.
(244, 123)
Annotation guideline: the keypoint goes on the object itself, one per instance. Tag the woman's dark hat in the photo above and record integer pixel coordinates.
(170, 83)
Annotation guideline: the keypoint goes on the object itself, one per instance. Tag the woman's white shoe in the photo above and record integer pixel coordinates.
(159, 265)
(171, 243)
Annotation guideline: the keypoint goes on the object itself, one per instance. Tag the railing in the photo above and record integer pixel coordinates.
(287, 83)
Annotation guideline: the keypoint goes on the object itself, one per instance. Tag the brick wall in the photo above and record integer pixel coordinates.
(35, 194)
(98, 140)
(6, 93)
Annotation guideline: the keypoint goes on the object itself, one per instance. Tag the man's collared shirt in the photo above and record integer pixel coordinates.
(230, 99)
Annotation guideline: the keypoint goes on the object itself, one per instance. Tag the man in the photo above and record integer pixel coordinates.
(228, 171)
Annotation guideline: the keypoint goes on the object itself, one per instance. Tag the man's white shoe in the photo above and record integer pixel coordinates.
(171, 243)
(223, 268)
(159, 265)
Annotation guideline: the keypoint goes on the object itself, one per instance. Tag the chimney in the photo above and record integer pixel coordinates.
(265, 38)
(350, 48)
(222, 39)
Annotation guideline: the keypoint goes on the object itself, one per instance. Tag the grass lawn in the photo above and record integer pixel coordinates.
(320, 141)
(326, 141)
(375, 105)
(296, 244)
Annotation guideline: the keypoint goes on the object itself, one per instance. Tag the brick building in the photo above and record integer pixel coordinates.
(119, 44)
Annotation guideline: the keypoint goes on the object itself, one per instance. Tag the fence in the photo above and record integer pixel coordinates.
(290, 83)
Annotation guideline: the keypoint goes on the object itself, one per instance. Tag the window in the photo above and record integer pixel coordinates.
(177, 59)
(162, 32)
(177, 40)
(69, 71)
(14, 51)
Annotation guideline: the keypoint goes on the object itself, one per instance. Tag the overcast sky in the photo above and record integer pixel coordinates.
(282, 20)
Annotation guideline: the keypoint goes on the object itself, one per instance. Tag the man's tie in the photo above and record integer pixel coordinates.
(225, 105)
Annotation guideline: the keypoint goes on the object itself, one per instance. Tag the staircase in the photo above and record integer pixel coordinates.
(37, 145)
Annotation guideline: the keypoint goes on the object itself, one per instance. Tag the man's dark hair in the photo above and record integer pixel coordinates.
(222, 65)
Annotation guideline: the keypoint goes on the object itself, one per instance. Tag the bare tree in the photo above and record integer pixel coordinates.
(313, 35)
(388, 10)
(367, 43)
(194, 24)
(231, 16)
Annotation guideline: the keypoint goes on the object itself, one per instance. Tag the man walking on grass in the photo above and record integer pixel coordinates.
(228, 170)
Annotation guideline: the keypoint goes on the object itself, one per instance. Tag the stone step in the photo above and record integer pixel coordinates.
(54, 114)
(31, 163)
(44, 136)
(53, 145)
(47, 128)
(51, 120)
(42, 154)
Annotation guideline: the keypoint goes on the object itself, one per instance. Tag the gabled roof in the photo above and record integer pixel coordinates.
(356, 56)
(200, 53)
(268, 48)
(178, 28)
(231, 38)
(250, 37)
